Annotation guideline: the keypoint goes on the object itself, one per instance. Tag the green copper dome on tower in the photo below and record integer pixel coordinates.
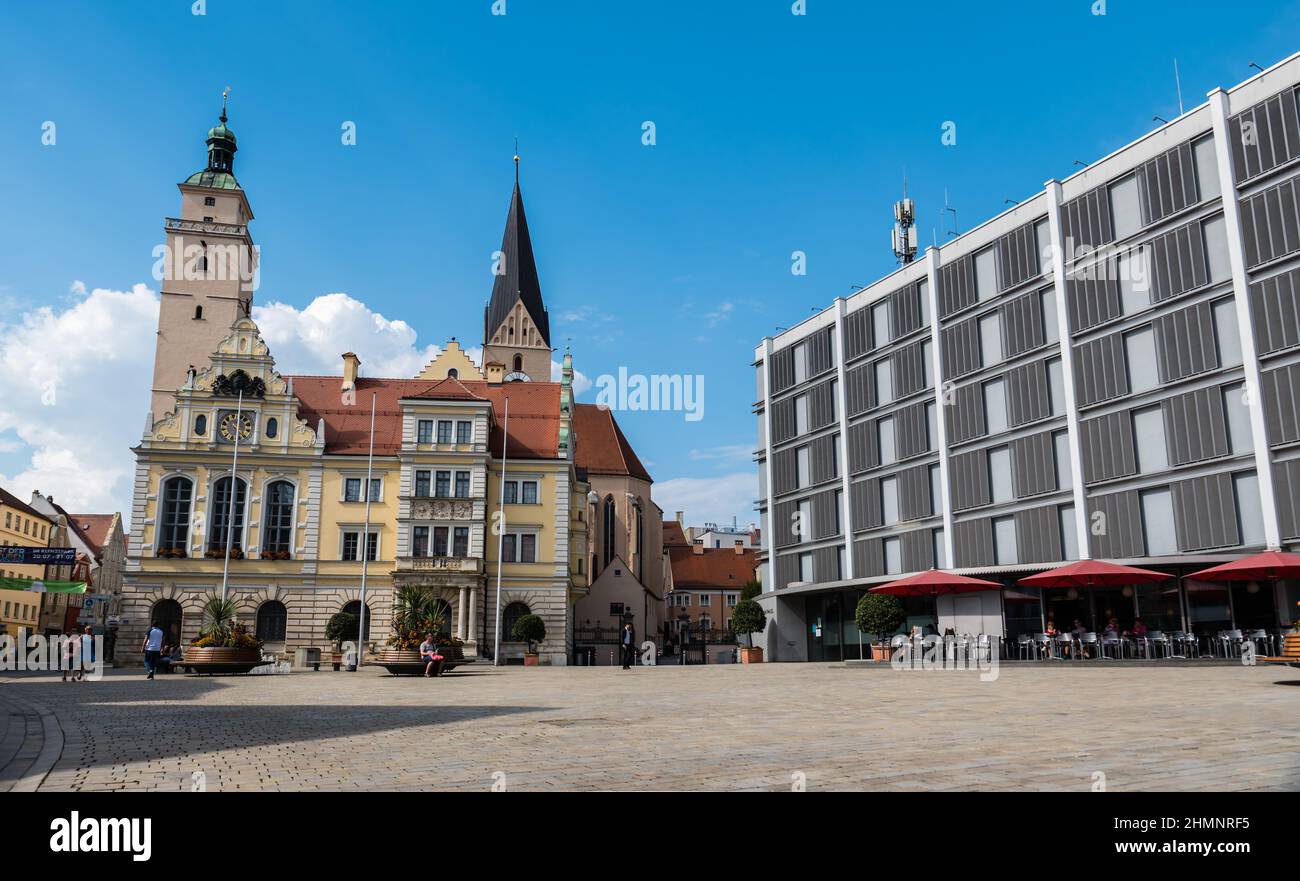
(222, 146)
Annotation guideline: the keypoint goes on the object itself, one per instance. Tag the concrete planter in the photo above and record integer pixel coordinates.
(881, 652)
(213, 659)
(531, 659)
(751, 654)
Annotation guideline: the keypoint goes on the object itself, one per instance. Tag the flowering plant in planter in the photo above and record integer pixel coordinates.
(221, 629)
(416, 611)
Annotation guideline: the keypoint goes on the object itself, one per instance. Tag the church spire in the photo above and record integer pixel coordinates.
(222, 146)
(516, 279)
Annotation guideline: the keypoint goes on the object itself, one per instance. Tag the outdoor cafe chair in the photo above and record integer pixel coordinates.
(1111, 642)
(1263, 641)
(1044, 644)
(1156, 642)
(983, 648)
(1184, 645)
(1230, 642)
(1089, 641)
(1065, 645)
(1026, 648)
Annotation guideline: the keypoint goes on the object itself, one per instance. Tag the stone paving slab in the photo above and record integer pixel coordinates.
(768, 727)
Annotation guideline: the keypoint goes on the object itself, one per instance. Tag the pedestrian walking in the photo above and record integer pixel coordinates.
(85, 653)
(628, 644)
(152, 648)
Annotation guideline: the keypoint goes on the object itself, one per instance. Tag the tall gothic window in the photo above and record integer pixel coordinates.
(640, 538)
(222, 515)
(607, 531)
(174, 524)
(277, 527)
(519, 363)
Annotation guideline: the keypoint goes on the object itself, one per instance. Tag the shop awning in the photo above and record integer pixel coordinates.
(1093, 573)
(1268, 566)
(934, 583)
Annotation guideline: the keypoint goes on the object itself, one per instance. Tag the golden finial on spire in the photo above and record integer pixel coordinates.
(225, 96)
(516, 160)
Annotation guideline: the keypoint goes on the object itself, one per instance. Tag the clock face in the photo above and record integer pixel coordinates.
(235, 426)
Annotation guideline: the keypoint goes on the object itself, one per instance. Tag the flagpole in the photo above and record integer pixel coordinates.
(365, 535)
(230, 510)
(501, 533)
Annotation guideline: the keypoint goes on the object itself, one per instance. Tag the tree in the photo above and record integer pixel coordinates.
(879, 614)
(751, 590)
(530, 629)
(342, 626)
(748, 618)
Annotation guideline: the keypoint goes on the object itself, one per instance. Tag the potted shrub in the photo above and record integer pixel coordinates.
(342, 627)
(532, 630)
(222, 639)
(879, 615)
(748, 618)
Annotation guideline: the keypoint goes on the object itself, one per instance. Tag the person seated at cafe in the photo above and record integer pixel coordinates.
(429, 654)
(1112, 627)
(1139, 628)
(1050, 629)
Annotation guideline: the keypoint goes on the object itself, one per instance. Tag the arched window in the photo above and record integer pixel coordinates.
(607, 531)
(277, 524)
(640, 542)
(354, 608)
(272, 427)
(198, 312)
(519, 363)
(453, 373)
(225, 519)
(512, 613)
(167, 615)
(201, 424)
(272, 617)
(174, 522)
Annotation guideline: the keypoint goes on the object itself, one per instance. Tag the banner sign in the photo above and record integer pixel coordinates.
(24, 556)
(40, 585)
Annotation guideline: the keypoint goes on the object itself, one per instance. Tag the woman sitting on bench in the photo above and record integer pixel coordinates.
(429, 654)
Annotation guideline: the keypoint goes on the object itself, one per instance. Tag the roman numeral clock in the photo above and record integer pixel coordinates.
(232, 426)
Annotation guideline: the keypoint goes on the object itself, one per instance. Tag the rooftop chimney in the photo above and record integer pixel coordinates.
(351, 366)
(681, 520)
(697, 546)
(740, 547)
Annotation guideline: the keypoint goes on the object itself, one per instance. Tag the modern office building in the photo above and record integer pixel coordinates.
(1109, 369)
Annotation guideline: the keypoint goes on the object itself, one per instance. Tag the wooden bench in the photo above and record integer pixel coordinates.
(1290, 652)
(409, 663)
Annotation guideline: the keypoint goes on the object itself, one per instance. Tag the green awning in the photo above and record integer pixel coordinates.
(40, 585)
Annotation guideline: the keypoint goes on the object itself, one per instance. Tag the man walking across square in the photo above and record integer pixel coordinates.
(152, 647)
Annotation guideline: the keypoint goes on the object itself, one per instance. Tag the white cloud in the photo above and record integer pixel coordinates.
(727, 454)
(710, 499)
(310, 340)
(76, 387)
(720, 314)
(580, 381)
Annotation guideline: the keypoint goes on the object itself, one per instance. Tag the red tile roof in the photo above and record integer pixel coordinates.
(674, 536)
(601, 447)
(94, 528)
(8, 498)
(534, 412)
(716, 567)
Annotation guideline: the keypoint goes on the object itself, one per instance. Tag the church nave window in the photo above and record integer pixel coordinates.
(174, 524)
(277, 531)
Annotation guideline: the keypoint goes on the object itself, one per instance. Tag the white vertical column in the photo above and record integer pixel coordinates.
(940, 402)
(1053, 188)
(461, 617)
(1245, 327)
(769, 580)
(842, 412)
(471, 634)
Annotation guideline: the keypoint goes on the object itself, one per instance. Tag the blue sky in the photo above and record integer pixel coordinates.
(774, 133)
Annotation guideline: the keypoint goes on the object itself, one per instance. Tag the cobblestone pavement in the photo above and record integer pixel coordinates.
(695, 728)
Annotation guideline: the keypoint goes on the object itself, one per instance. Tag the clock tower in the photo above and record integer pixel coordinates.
(208, 269)
(516, 329)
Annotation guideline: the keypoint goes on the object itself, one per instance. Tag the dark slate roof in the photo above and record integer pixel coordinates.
(218, 180)
(520, 278)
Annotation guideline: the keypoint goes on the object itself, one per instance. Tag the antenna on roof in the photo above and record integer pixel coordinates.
(904, 237)
(949, 208)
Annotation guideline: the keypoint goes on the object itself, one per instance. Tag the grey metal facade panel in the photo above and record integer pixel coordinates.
(821, 405)
(1092, 297)
(914, 496)
(917, 549)
(783, 523)
(864, 446)
(1275, 312)
(1117, 533)
(956, 286)
(970, 480)
(823, 457)
(782, 369)
(1033, 465)
(1167, 184)
(821, 351)
(1176, 261)
(1086, 221)
(1038, 535)
(782, 420)
(1196, 427)
(787, 570)
(1286, 483)
(1205, 513)
(864, 504)
(826, 564)
(1106, 444)
(1185, 342)
(825, 515)
(961, 349)
(905, 310)
(911, 431)
(973, 542)
(1099, 369)
(1281, 393)
(857, 333)
(784, 471)
(964, 416)
(1029, 393)
(1021, 321)
(860, 389)
(1270, 223)
(1018, 258)
(1266, 135)
(907, 368)
(868, 557)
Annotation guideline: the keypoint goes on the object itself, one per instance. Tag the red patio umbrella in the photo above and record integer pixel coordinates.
(1093, 573)
(1268, 566)
(934, 583)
